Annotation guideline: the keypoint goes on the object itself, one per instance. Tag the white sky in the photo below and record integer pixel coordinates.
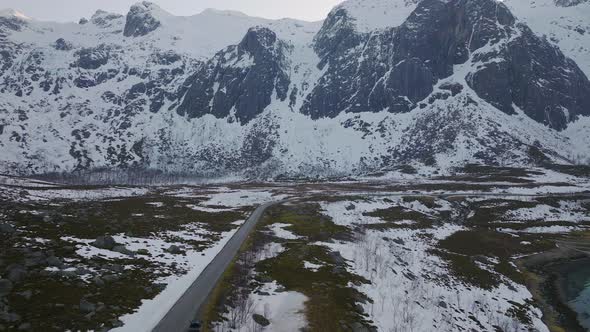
(73, 10)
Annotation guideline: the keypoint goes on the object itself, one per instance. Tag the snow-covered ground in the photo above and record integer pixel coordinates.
(407, 294)
(570, 211)
(223, 196)
(32, 195)
(380, 14)
(283, 309)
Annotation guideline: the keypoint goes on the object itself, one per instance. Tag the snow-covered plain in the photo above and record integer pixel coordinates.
(284, 310)
(406, 293)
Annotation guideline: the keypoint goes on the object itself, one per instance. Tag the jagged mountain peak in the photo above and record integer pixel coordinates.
(396, 69)
(102, 18)
(13, 13)
(567, 27)
(257, 37)
(143, 18)
(151, 7)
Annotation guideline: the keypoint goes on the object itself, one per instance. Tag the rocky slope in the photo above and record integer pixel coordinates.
(379, 83)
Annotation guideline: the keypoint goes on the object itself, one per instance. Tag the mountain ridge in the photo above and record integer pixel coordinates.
(286, 97)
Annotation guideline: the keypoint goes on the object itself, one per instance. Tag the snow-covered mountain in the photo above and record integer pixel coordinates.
(379, 83)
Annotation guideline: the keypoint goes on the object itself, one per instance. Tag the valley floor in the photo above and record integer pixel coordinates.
(466, 252)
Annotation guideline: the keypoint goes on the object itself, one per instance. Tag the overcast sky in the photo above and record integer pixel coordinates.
(73, 10)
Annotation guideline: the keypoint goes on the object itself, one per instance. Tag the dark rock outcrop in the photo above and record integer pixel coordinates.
(5, 287)
(16, 273)
(569, 3)
(92, 58)
(140, 20)
(122, 250)
(175, 250)
(399, 67)
(103, 19)
(86, 306)
(62, 45)
(6, 229)
(243, 77)
(260, 320)
(11, 23)
(105, 242)
(54, 262)
(535, 76)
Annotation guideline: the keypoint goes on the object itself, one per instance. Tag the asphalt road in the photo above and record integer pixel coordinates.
(187, 307)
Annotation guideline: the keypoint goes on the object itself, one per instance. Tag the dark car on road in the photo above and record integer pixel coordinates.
(195, 326)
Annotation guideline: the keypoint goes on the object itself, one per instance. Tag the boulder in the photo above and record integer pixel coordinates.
(123, 250)
(86, 306)
(337, 258)
(67, 273)
(98, 281)
(115, 268)
(110, 278)
(143, 252)
(82, 271)
(115, 323)
(359, 327)
(16, 273)
(25, 327)
(9, 317)
(55, 262)
(260, 320)
(175, 250)
(6, 287)
(7, 229)
(104, 242)
(27, 295)
(399, 241)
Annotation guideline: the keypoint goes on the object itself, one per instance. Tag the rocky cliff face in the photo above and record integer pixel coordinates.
(435, 83)
(569, 3)
(241, 80)
(140, 20)
(397, 69)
